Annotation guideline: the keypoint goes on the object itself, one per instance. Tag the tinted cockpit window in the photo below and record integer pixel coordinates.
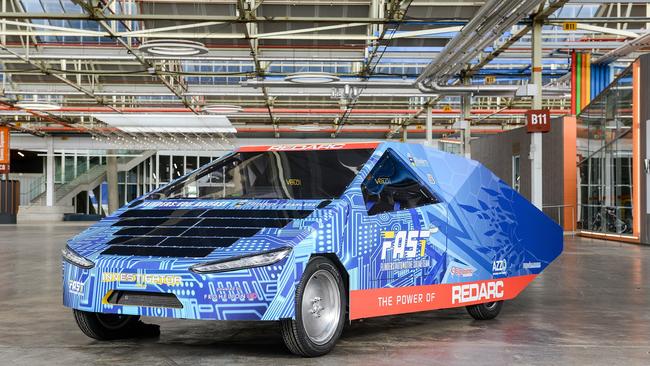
(392, 186)
(272, 175)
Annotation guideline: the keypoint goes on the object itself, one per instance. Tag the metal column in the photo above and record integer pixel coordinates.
(536, 138)
(466, 126)
(429, 129)
(49, 173)
(111, 180)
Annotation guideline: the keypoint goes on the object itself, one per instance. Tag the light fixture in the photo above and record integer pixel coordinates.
(222, 109)
(21, 154)
(37, 106)
(311, 78)
(167, 123)
(307, 128)
(173, 47)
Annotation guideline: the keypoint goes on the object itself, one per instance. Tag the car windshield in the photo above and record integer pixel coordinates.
(320, 174)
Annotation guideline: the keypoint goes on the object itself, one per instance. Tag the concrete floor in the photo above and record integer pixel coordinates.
(592, 306)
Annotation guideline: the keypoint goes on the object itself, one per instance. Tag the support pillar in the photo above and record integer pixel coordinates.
(429, 129)
(466, 111)
(536, 138)
(111, 179)
(49, 173)
(404, 134)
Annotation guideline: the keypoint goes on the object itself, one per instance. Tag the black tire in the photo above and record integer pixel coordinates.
(294, 334)
(485, 311)
(105, 327)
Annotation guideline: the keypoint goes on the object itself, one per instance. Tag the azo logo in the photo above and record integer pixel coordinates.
(404, 244)
(499, 267)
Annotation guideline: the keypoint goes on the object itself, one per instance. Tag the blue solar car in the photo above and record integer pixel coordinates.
(310, 236)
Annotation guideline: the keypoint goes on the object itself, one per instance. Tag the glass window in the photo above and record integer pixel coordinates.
(321, 174)
(178, 168)
(516, 172)
(164, 168)
(605, 160)
(190, 163)
(204, 160)
(392, 186)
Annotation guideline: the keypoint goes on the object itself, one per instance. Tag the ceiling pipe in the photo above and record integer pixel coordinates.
(484, 28)
(431, 86)
(624, 50)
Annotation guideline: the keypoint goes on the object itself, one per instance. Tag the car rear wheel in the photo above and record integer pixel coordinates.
(320, 303)
(486, 311)
(106, 326)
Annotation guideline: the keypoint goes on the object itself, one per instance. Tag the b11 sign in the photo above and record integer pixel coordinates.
(538, 120)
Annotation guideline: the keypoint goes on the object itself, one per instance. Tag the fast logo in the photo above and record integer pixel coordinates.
(76, 287)
(404, 244)
(473, 292)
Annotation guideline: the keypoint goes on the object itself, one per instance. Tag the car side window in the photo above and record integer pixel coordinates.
(392, 186)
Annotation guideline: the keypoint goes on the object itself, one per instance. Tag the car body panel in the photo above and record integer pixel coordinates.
(480, 238)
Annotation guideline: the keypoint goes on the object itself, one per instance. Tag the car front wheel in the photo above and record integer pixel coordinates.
(320, 302)
(106, 326)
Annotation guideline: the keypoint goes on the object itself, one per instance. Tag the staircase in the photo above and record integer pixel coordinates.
(64, 193)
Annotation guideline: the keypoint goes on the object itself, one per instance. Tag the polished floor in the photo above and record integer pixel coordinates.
(591, 307)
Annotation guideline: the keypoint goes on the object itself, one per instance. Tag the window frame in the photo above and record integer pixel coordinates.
(423, 185)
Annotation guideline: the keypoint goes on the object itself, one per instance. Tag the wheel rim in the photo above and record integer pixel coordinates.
(490, 305)
(113, 321)
(321, 307)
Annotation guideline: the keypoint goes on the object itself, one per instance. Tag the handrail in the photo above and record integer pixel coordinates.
(559, 215)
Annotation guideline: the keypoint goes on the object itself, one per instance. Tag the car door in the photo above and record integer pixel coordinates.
(405, 224)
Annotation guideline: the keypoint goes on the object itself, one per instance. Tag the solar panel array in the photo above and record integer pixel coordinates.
(191, 232)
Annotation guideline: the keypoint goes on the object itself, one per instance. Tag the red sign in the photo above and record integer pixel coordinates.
(305, 147)
(4, 150)
(399, 300)
(538, 120)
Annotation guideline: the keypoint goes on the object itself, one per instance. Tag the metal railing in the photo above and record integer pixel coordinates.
(559, 217)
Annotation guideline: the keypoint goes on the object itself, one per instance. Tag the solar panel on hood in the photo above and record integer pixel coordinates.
(191, 232)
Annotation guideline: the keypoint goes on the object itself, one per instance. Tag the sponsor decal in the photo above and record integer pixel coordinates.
(462, 272)
(382, 180)
(75, 287)
(532, 265)
(410, 157)
(175, 204)
(499, 267)
(294, 182)
(399, 300)
(230, 293)
(398, 245)
(431, 179)
(306, 147)
(142, 279)
(476, 292)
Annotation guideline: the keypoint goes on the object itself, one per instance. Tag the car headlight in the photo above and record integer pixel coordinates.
(250, 261)
(72, 257)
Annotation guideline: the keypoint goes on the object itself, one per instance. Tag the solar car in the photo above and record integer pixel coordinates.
(310, 236)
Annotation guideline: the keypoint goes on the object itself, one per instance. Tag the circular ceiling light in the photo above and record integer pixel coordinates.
(173, 47)
(222, 109)
(311, 78)
(38, 106)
